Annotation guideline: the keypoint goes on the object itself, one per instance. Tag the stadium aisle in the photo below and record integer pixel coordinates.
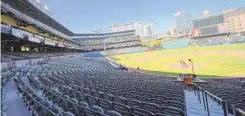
(196, 108)
(15, 106)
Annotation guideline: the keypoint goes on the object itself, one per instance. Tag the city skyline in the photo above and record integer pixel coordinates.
(90, 15)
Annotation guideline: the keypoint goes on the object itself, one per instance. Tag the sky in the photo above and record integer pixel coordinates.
(83, 16)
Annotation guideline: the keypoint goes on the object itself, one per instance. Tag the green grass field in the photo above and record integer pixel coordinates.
(210, 61)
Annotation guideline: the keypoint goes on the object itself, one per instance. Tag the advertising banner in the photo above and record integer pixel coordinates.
(196, 32)
(5, 28)
(49, 42)
(61, 44)
(17, 33)
(39, 37)
(223, 28)
(34, 39)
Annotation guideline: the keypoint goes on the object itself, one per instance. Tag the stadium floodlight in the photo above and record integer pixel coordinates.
(192, 66)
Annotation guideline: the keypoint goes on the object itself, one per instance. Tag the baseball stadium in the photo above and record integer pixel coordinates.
(196, 69)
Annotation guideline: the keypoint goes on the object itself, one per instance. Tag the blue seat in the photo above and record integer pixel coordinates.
(112, 113)
(97, 109)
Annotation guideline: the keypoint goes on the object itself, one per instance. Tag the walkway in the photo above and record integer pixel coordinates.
(15, 106)
(195, 107)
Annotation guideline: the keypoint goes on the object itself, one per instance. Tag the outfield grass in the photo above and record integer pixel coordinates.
(218, 61)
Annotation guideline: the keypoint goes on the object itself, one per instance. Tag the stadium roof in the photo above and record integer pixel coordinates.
(101, 34)
(29, 9)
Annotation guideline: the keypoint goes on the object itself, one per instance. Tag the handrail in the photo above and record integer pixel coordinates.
(236, 111)
(205, 93)
(212, 95)
(240, 111)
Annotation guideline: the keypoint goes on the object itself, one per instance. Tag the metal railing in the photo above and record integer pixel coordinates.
(200, 92)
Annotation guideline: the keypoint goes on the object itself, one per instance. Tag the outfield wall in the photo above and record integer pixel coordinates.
(175, 44)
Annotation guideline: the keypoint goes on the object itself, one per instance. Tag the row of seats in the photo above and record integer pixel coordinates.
(91, 86)
(36, 104)
(64, 103)
(108, 104)
(133, 91)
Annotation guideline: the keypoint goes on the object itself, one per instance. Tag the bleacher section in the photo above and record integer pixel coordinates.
(89, 87)
(103, 41)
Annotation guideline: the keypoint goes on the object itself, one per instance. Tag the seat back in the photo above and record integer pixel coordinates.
(121, 108)
(141, 112)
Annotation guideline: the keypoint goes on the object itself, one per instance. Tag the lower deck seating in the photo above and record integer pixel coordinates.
(91, 86)
(88, 86)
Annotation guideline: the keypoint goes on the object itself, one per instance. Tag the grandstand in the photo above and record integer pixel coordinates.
(103, 41)
(47, 70)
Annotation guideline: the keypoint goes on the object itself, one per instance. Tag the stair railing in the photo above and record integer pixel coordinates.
(205, 94)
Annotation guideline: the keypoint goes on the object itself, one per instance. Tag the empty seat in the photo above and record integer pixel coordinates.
(151, 107)
(112, 113)
(56, 109)
(133, 103)
(89, 112)
(46, 104)
(141, 112)
(98, 94)
(121, 100)
(158, 101)
(97, 109)
(92, 100)
(84, 104)
(66, 97)
(176, 104)
(74, 100)
(68, 114)
(123, 109)
(108, 97)
(142, 98)
(82, 97)
(105, 104)
(172, 111)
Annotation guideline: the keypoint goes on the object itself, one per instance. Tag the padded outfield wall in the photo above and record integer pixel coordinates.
(175, 44)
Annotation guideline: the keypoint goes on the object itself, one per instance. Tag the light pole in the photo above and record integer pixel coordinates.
(191, 66)
(104, 46)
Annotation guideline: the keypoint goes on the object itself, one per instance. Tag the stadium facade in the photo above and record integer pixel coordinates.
(104, 41)
(141, 30)
(235, 19)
